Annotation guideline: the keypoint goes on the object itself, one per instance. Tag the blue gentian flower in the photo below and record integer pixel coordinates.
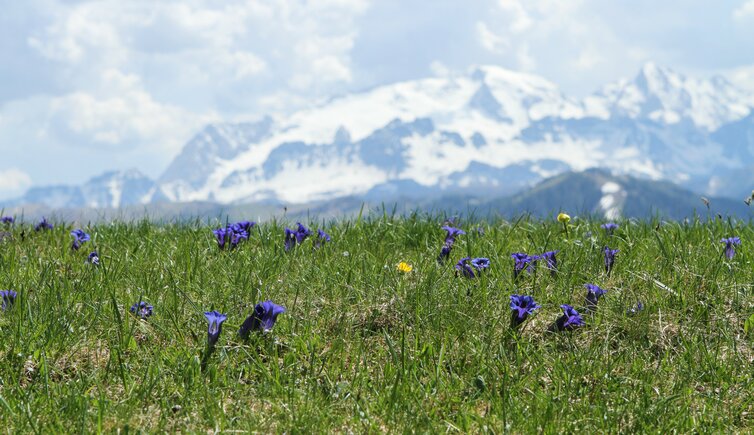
(730, 242)
(43, 225)
(7, 220)
(290, 239)
(636, 309)
(593, 295)
(522, 307)
(263, 319)
(8, 297)
(302, 233)
(523, 261)
(480, 263)
(215, 320)
(452, 233)
(244, 226)
(142, 309)
(610, 258)
(571, 319)
(79, 238)
(551, 263)
(609, 227)
(322, 238)
(221, 235)
(236, 236)
(94, 258)
(444, 253)
(465, 268)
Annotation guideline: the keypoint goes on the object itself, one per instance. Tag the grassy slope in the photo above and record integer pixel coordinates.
(365, 348)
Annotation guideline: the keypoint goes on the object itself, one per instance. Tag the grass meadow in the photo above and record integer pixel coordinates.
(364, 347)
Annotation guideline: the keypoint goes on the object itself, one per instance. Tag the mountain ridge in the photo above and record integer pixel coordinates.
(488, 130)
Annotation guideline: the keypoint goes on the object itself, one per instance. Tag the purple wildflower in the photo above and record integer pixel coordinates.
(142, 309)
(465, 268)
(445, 253)
(244, 226)
(610, 259)
(730, 242)
(609, 228)
(523, 261)
(237, 236)
(322, 238)
(263, 319)
(79, 238)
(452, 233)
(290, 239)
(93, 258)
(480, 263)
(8, 297)
(635, 309)
(221, 235)
(215, 320)
(302, 233)
(551, 263)
(522, 307)
(43, 225)
(571, 319)
(593, 295)
(7, 220)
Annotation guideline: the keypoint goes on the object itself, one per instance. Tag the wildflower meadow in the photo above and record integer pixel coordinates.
(378, 323)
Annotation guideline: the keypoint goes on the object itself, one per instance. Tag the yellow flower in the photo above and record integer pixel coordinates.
(405, 267)
(564, 218)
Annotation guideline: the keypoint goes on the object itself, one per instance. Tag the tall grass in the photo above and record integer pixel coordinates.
(366, 348)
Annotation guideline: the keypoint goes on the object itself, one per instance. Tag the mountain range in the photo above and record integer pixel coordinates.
(489, 133)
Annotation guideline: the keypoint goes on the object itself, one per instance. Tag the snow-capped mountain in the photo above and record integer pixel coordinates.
(111, 189)
(489, 132)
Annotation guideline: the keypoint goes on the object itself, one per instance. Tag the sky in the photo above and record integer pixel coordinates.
(92, 86)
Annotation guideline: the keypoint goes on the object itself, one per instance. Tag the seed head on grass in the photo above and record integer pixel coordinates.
(522, 307)
(142, 309)
(79, 238)
(730, 243)
(264, 318)
(8, 297)
(215, 327)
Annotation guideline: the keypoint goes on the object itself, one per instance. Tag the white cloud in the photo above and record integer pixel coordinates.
(520, 19)
(13, 182)
(124, 116)
(746, 10)
(490, 40)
